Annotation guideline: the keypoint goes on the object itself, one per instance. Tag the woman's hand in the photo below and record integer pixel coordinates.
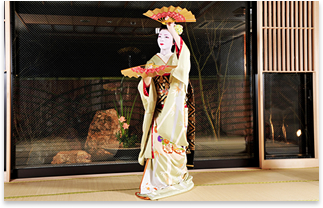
(147, 81)
(171, 29)
(171, 26)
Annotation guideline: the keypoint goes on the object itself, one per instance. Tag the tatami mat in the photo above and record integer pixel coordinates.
(210, 185)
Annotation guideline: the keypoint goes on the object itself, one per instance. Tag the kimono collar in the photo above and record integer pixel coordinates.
(165, 58)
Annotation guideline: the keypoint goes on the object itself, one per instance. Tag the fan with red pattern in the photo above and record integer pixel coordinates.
(171, 14)
(148, 70)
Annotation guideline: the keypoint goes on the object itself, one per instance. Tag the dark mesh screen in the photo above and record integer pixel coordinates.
(67, 80)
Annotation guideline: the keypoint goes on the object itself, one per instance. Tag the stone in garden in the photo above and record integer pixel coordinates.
(74, 156)
(42, 150)
(101, 141)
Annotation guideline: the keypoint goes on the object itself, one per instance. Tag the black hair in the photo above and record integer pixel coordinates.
(162, 27)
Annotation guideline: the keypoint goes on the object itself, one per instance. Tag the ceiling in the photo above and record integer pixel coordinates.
(119, 17)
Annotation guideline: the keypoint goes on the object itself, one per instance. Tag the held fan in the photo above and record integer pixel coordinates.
(150, 70)
(171, 14)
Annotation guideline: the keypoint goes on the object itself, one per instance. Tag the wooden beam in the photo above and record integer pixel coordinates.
(310, 39)
(301, 40)
(265, 42)
(274, 43)
(8, 97)
(206, 10)
(305, 38)
(22, 21)
(296, 37)
(270, 40)
(287, 37)
(279, 40)
(316, 49)
(260, 83)
(205, 4)
(283, 67)
(292, 42)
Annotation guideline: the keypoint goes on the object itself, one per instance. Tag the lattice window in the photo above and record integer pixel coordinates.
(287, 35)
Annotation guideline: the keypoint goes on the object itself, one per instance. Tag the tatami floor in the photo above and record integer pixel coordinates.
(246, 184)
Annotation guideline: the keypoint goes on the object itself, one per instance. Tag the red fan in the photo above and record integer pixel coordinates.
(171, 14)
(149, 70)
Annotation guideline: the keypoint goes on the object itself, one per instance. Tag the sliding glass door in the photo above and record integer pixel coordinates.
(68, 89)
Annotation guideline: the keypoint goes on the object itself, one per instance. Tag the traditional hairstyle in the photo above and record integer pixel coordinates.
(162, 27)
(178, 29)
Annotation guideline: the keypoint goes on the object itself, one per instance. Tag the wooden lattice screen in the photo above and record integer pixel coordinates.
(287, 30)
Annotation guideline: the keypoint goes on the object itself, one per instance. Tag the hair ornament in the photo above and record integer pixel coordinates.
(179, 29)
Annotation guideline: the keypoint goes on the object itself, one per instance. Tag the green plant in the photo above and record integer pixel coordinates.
(124, 121)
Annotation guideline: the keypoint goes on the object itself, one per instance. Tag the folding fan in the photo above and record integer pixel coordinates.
(171, 14)
(150, 70)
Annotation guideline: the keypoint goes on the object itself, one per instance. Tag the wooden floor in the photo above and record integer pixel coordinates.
(247, 184)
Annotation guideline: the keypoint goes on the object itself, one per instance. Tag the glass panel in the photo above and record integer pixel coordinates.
(223, 85)
(288, 116)
(67, 80)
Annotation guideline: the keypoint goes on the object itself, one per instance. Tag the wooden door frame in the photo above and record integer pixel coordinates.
(287, 163)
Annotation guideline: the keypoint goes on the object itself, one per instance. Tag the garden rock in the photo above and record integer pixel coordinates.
(74, 156)
(101, 141)
(42, 150)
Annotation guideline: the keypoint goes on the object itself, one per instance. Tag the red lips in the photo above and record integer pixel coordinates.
(162, 44)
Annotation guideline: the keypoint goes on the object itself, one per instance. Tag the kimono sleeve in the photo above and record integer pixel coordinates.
(181, 72)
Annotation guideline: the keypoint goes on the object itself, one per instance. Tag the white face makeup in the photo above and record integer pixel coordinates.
(165, 40)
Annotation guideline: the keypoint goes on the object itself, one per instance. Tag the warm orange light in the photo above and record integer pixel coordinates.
(299, 132)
